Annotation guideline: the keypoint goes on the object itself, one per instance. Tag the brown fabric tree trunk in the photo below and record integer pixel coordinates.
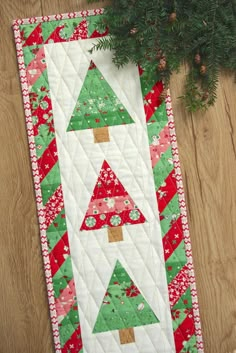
(127, 335)
(115, 234)
(101, 134)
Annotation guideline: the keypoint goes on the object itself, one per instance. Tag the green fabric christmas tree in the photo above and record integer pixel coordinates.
(97, 106)
(123, 307)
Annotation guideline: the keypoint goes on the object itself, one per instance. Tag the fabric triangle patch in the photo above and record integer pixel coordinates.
(35, 38)
(81, 31)
(110, 204)
(123, 305)
(97, 104)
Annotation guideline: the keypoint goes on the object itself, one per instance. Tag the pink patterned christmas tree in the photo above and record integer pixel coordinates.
(111, 206)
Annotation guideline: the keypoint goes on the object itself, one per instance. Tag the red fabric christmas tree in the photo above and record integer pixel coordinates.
(111, 206)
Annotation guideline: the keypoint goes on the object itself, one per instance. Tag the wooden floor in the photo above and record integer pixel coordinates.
(207, 145)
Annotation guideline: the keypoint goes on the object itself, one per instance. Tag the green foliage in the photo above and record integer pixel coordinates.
(146, 32)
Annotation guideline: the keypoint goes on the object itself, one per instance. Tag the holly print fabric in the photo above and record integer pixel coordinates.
(123, 305)
(110, 205)
(97, 105)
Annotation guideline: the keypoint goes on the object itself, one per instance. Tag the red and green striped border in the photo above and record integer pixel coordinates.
(30, 36)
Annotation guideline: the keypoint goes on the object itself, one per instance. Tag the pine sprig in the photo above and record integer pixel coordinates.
(160, 35)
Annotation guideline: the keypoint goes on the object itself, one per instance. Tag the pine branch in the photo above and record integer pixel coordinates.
(162, 34)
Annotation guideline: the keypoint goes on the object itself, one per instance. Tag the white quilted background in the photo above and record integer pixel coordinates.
(80, 160)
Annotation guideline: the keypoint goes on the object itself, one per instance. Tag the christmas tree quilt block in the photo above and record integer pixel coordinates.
(111, 206)
(98, 107)
(123, 307)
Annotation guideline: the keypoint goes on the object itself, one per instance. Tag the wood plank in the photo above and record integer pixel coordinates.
(62, 6)
(24, 326)
(207, 153)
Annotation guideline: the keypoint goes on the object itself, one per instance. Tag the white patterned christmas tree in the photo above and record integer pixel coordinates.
(111, 206)
(98, 107)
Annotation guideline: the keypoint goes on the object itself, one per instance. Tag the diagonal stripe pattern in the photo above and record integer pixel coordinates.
(168, 203)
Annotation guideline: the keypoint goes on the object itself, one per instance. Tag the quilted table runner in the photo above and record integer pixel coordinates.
(109, 193)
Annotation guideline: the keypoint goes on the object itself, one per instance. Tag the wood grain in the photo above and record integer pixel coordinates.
(207, 153)
(207, 145)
